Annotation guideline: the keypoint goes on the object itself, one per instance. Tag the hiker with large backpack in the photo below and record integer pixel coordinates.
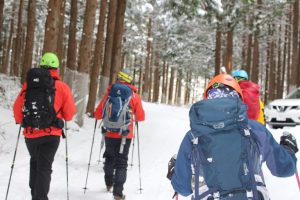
(119, 109)
(222, 154)
(41, 106)
(251, 96)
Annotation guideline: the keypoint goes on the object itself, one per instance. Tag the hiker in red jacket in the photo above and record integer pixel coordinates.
(41, 114)
(251, 93)
(115, 165)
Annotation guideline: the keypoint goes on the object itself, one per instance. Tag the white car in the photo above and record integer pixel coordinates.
(284, 112)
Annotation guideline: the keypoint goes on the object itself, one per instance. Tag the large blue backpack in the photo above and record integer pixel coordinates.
(224, 151)
(117, 112)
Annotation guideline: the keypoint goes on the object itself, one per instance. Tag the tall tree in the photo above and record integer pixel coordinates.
(98, 54)
(117, 43)
(171, 86)
(60, 40)
(6, 66)
(1, 25)
(146, 85)
(229, 50)
(255, 63)
(293, 82)
(84, 60)
(218, 51)
(52, 26)
(111, 21)
(18, 44)
(31, 21)
(72, 46)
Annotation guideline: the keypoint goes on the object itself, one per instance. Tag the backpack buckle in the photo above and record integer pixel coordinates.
(247, 132)
(249, 194)
(195, 141)
(216, 195)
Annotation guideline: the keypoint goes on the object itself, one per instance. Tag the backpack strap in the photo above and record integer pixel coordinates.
(254, 193)
(196, 157)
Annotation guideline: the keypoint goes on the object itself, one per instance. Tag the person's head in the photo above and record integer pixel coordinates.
(49, 61)
(240, 75)
(125, 76)
(222, 85)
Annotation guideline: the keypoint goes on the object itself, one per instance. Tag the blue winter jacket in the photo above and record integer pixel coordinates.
(280, 161)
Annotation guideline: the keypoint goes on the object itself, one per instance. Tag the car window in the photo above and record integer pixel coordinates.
(294, 95)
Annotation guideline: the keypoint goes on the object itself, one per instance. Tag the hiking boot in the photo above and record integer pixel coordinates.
(117, 197)
(109, 188)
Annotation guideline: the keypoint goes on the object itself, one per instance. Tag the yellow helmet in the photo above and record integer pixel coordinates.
(123, 76)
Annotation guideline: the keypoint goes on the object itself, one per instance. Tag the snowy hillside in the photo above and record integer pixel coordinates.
(160, 137)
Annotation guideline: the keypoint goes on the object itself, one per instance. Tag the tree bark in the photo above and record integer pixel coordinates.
(178, 87)
(171, 86)
(98, 54)
(111, 21)
(147, 83)
(52, 26)
(293, 81)
(164, 82)
(117, 43)
(72, 46)
(218, 52)
(229, 51)
(31, 20)
(289, 51)
(1, 25)
(84, 59)
(6, 65)
(60, 40)
(17, 49)
(272, 72)
(156, 79)
(279, 74)
(249, 54)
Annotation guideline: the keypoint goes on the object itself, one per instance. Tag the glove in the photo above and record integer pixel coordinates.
(171, 167)
(288, 141)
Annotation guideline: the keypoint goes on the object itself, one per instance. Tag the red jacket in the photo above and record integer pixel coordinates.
(63, 101)
(251, 95)
(137, 110)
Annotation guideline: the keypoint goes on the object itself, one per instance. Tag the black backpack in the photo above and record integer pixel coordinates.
(38, 107)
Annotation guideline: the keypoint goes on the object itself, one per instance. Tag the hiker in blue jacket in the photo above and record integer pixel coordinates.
(222, 111)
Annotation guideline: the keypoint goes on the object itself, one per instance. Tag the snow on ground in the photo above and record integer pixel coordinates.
(160, 137)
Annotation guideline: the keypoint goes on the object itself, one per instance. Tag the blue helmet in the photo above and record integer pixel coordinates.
(240, 74)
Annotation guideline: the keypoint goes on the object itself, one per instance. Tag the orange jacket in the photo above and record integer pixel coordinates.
(137, 110)
(63, 102)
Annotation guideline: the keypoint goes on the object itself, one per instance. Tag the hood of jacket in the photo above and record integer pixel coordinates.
(221, 114)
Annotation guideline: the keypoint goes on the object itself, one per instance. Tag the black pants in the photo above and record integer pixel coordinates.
(42, 151)
(115, 166)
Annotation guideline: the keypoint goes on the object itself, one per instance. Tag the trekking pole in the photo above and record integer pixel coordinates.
(297, 178)
(87, 175)
(131, 164)
(138, 143)
(67, 164)
(13, 163)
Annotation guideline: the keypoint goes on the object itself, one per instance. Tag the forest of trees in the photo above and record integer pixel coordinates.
(172, 47)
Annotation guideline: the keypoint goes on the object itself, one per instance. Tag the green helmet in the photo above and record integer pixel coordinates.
(49, 60)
